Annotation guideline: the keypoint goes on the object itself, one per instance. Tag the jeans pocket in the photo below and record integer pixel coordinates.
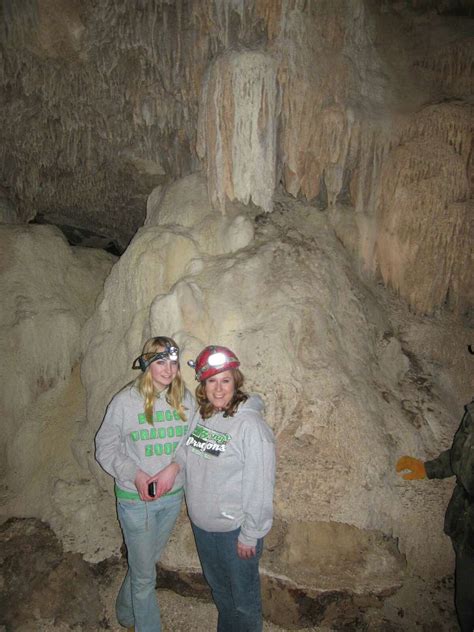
(132, 515)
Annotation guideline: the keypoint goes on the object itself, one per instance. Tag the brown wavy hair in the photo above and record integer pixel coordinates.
(144, 382)
(206, 409)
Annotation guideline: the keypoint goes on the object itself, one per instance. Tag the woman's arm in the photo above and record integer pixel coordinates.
(109, 440)
(179, 457)
(166, 477)
(258, 480)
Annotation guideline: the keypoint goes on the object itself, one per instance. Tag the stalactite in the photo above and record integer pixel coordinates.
(451, 66)
(19, 20)
(317, 131)
(123, 85)
(238, 129)
(133, 86)
(424, 214)
(452, 123)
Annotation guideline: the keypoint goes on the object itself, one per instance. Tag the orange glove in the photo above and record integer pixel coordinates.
(416, 466)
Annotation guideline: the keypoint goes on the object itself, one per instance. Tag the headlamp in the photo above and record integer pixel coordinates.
(217, 359)
(212, 360)
(143, 361)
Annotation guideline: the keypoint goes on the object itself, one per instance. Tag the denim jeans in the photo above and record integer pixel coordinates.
(146, 528)
(234, 582)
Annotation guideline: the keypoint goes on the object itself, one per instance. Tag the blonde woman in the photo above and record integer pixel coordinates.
(143, 426)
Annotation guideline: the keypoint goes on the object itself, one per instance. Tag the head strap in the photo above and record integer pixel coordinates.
(143, 361)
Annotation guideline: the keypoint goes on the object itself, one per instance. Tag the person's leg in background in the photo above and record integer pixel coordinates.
(464, 591)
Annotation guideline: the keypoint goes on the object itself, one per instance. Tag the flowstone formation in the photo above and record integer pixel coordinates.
(333, 361)
(48, 292)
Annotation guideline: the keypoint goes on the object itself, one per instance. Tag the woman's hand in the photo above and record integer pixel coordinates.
(141, 483)
(165, 479)
(245, 552)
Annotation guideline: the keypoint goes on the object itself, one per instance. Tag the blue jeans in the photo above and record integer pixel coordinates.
(235, 583)
(146, 528)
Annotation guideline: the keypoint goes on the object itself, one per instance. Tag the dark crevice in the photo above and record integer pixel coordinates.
(84, 237)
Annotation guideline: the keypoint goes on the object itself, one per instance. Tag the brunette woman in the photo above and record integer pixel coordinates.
(229, 463)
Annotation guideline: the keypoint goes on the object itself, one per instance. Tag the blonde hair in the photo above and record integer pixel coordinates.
(144, 382)
(206, 409)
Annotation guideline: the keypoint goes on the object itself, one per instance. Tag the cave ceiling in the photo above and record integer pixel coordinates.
(100, 98)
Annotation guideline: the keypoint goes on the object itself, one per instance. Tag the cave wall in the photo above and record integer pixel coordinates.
(100, 102)
(365, 110)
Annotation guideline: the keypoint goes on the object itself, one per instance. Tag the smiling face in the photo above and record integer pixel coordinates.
(220, 389)
(163, 372)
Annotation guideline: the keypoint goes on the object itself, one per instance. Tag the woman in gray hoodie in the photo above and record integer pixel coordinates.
(229, 465)
(142, 428)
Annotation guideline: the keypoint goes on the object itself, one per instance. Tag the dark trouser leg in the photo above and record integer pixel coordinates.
(464, 597)
(235, 583)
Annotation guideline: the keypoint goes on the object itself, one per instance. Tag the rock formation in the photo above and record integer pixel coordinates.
(293, 179)
(355, 105)
(331, 358)
(48, 292)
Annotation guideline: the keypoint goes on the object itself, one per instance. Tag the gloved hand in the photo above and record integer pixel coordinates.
(416, 466)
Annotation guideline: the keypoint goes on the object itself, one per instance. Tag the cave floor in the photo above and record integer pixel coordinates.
(44, 589)
(431, 611)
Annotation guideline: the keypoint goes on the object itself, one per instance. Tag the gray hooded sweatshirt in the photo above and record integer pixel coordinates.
(229, 465)
(126, 442)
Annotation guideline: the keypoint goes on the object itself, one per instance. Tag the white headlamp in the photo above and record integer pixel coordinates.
(217, 359)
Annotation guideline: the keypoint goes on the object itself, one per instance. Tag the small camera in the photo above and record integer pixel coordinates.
(152, 489)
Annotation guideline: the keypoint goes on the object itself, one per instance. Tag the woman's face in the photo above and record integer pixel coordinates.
(220, 389)
(163, 372)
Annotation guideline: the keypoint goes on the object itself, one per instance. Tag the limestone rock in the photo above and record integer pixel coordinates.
(215, 233)
(159, 258)
(8, 213)
(425, 215)
(362, 109)
(339, 385)
(48, 292)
